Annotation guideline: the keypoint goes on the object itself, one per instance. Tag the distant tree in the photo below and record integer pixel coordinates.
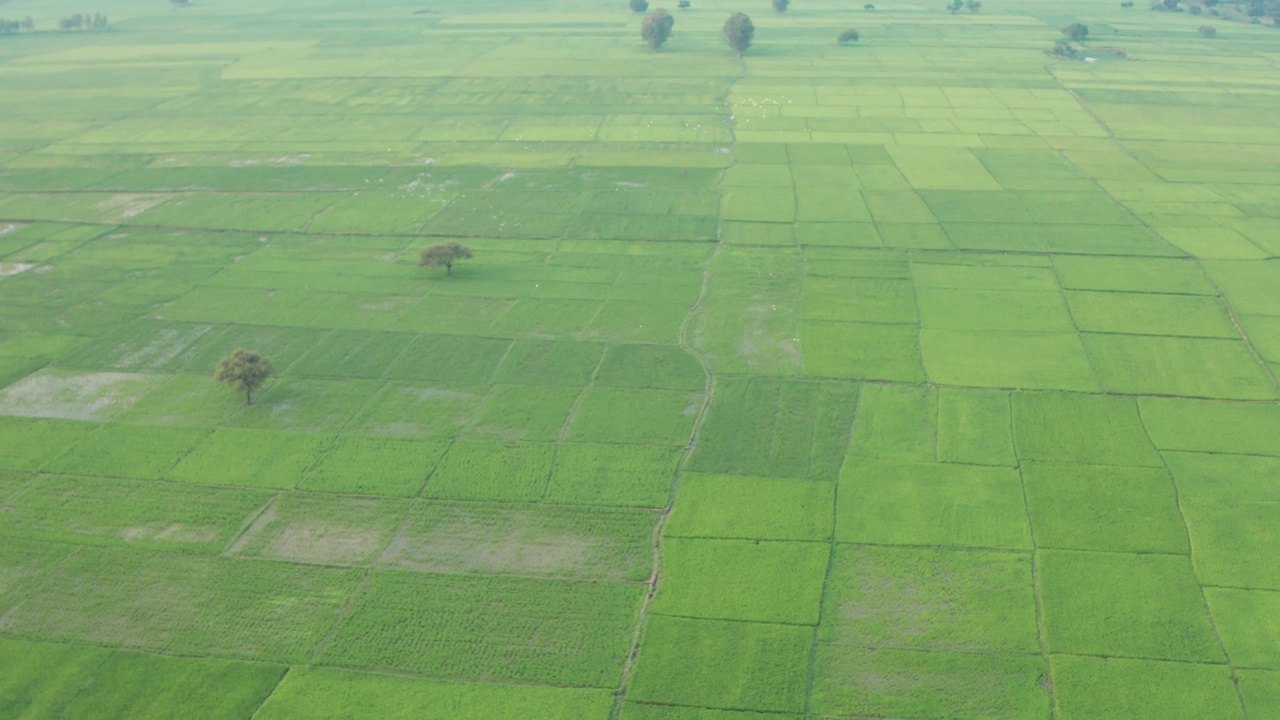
(1127, 4)
(638, 5)
(9, 26)
(1208, 31)
(1167, 5)
(180, 3)
(443, 255)
(868, 6)
(780, 6)
(684, 4)
(848, 36)
(99, 22)
(656, 28)
(28, 23)
(1196, 10)
(738, 32)
(973, 5)
(75, 22)
(1063, 48)
(1076, 31)
(956, 6)
(244, 370)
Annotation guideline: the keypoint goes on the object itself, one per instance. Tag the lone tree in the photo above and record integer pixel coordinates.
(244, 370)
(639, 5)
(848, 36)
(974, 5)
(444, 254)
(1076, 31)
(656, 28)
(955, 6)
(781, 5)
(1208, 31)
(738, 31)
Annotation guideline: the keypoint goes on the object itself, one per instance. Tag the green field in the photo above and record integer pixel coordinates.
(931, 377)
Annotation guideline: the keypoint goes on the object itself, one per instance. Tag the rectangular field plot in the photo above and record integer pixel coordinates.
(1093, 429)
(321, 529)
(494, 628)
(352, 354)
(76, 396)
(186, 605)
(1212, 426)
(524, 412)
(323, 692)
(253, 458)
(128, 451)
(1093, 507)
(1151, 314)
(1188, 367)
(1052, 361)
(549, 362)
(1127, 605)
(98, 511)
(725, 506)
(1123, 274)
(1089, 688)
(1228, 503)
(1249, 623)
(24, 563)
(149, 346)
(896, 422)
(374, 466)
(930, 599)
(1004, 310)
(526, 540)
(974, 427)
(29, 442)
(626, 416)
(449, 359)
(664, 367)
(857, 682)
(862, 351)
(776, 428)
(723, 664)
(621, 475)
(931, 504)
(41, 679)
(238, 211)
(418, 410)
(492, 470)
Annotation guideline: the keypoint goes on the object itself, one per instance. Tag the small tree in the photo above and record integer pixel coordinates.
(869, 6)
(955, 6)
(848, 36)
(656, 28)
(99, 22)
(443, 255)
(738, 32)
(1127, 4)
(1076, 31)
(244, 370)
(1208, 31)
(638, 5)
(684, 4)
(780, 6)
(28, 23)
(973, 5)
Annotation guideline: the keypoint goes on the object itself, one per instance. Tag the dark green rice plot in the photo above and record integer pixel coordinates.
(930, 599)
(972, 206)
(1048, 361)
(722, 664)
(993, 310)
(352, 354)
(13, 369)
(826, 203)
(195, 401)
(282, 345)
(1233, 540)
(974, 427)
(1094, 507)
(939, 270)
(524, 412)
(251, 458)
(898, 206)
(147, 687)
(1261, 691)
(23, 564)
(855, 682)
(1075, 208)
(1131, 239)
(896, 422)
(549, 362)
(30, 442)
(641, 711)
(525, 540)
(238, 211)
(776, 428)
(381, 212)
(39, 680)
(453, 314)
(183, 604)
(492, 470)
(1249, 623)
(148, 346)
(305, 405)
(1189, 367)
(665, 367)
(835, 234)
(760, 581)
(546, 318)
(148, 515)
(1126, 605)
(895, 503)
(450, 359)
(1031, 169)
(418, 409)
(1151, 314)
(556, 632)
(635, 417)
(128, 451)
(727, 506)
(637, 322)
(1076, 428)
(374, 466)
(670, 228)
(321, 529)
(1126, 274)
(769, 234)
(621, 475)
(861, 351)
(1090, 688)
(308, 693)
(869, 300)
(906, 236)
(1212, 426)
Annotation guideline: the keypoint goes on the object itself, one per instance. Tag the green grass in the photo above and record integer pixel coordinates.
(1091, 429)
(726, 506)
(1125, 688)
(1247, 623)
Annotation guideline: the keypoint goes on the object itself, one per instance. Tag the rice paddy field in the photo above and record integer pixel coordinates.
(928, 378)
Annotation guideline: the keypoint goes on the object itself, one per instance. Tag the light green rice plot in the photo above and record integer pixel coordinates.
(896, 422)
(930, 599)
(321, 529)
(641, 711)
(251, 458)
(651, 366)
(913, 236)
(1076, 428)
(303, 405)
(374, 466)
(524, 412)
(1261, 691)
(70, 395)
(897, 503)
(1123, 274)
(1262, 332)
(101, 208)
(759, 205)
(418, 410)
(1212, 426)
(836, 234)
(1248, 286)
(1212, 243)
(142, 346)
(308, 693)
(364, 213)
(1151, 314)
(492, 470)
(934, 168)
(1127, 605)
(861, 351)
(727, 506)
(630, 416)
(869, 300)
(127, 451)
(41, 679)
(830, 204)
(1003, 310)
(1090, 688)
(944, 271)
(1189, 367)
(990, 358)
(758, 233)
(1249, 624)
(974, 427)
(235, 211)
(620, 475)
(897, 206)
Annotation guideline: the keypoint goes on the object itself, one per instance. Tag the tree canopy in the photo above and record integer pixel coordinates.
(738, 32)
(244, 370)
(638, 5)
(656, 28)
(443, 255)
(848, 36)
(1076, 31)
(781, 5)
